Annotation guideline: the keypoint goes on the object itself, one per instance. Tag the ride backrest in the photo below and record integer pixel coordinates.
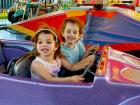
(22, 66)
(10, 67)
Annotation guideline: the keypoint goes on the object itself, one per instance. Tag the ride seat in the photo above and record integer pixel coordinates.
(22, 65)
(2, 59)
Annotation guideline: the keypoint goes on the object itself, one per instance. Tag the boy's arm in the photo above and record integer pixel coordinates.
(90, 50)
(79, 65)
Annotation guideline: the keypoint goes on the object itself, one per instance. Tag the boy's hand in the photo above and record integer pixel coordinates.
(89, 59)
(92, 49)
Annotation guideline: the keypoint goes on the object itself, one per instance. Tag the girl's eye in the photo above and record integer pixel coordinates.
(49, 42)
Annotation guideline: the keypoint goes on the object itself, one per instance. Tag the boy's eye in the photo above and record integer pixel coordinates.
(75, 32)
(68, 31)
(39, 42)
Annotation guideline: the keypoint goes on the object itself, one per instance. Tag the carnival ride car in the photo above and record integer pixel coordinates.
(21, 10)
(114, 26)
(137, 3)
(122, 3)
(24, 9)
(116, 80)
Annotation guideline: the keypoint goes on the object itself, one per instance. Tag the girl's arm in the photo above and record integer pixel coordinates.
(39, 69)
(79, 65)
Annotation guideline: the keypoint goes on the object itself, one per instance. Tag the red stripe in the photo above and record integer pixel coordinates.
(122, 46)
(101, 13)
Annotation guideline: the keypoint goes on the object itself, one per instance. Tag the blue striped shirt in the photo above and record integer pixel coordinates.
(73, 55)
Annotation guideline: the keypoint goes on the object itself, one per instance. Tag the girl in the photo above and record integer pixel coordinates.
(49, 59)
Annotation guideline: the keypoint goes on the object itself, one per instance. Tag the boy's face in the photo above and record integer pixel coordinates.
(71, 33)
(46, 44)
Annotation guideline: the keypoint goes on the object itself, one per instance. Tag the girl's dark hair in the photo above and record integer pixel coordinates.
(74, 21)
(55, 37)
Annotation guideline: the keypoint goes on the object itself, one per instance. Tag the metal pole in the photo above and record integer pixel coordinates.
(2, 4)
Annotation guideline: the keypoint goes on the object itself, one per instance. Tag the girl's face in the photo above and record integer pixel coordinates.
(71, 33)
(46, 44)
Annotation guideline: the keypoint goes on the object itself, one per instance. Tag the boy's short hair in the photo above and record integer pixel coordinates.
(74, 21)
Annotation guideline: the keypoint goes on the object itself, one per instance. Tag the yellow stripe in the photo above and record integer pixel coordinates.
(72, 13)
(79, 1)
(132, 14)
(22, 30)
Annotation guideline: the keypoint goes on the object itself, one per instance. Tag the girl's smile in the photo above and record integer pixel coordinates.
(46, 44)
(45, 50)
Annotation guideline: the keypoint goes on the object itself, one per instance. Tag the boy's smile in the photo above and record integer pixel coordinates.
(71, 34)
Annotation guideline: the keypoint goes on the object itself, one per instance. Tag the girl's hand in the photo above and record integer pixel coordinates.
(76, 78)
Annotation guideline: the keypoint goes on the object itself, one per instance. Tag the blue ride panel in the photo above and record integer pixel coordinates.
(118, 29)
